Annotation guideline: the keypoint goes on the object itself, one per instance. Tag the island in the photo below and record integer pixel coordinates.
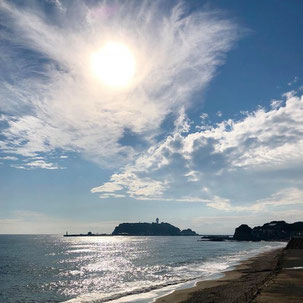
(151, 229)
(272, 231)
(142, 229)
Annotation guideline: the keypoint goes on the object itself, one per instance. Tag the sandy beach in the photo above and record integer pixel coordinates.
(287, 285)
(239, 285)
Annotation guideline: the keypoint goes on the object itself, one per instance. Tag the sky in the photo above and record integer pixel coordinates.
(194, 114)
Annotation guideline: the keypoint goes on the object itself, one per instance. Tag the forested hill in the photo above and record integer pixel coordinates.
(151, 229)
(272, 231)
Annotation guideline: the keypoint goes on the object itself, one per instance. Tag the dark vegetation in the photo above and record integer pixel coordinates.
(273, 231)
(151, 229)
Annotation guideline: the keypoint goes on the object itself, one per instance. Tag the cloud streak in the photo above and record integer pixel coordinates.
(33, 164)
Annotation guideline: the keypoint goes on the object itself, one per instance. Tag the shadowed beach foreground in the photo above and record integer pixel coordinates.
(275, 276)
(287, 285)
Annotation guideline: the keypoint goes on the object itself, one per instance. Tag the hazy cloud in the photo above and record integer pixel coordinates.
(295, 79)
(10, 158)
(32, 222)
(37, 164)
(219, 113)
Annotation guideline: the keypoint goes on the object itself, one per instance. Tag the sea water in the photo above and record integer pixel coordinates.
(53, 268)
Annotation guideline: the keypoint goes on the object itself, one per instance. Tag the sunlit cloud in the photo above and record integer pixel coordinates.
(225, 165)
(52, 99)
(114, 65)
(32, 164)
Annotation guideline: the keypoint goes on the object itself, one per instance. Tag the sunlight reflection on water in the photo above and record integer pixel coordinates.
(95, 269)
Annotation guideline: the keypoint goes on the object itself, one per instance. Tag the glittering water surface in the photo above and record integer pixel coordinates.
(51, 268)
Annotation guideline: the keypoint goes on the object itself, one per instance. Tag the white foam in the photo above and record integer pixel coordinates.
(183, 276)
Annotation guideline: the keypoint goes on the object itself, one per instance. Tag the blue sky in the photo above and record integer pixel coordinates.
(208, 134)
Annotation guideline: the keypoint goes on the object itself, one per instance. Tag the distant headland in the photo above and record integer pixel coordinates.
(272, 231)
(142, 229)
(151, 229)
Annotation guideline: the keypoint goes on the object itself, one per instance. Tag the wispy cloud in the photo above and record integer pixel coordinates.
(295, 80)
(288, 196)
(219, 113)
(37, 164)
(10, 158)
(50, 98)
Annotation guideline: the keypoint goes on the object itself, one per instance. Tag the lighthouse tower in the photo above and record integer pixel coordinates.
(157, 220)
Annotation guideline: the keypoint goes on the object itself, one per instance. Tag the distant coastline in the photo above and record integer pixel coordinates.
(89, 234)
(272, 231)
(142, 229)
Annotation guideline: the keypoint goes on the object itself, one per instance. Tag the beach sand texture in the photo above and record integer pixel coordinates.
(271, 277)
(237, 286)
(287, 285)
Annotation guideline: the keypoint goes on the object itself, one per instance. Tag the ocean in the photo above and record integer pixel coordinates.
(51, 268)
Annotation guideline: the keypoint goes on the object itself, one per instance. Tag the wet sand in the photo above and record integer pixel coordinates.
(237, 286)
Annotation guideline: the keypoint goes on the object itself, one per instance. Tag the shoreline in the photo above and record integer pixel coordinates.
(182, 292)
(241, 283)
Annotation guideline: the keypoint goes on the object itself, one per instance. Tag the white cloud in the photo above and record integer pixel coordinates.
(59, 105)
(219, 113)
(276, 103)
(273, 137)
(288, 196)
(107, 187)
(182, 123)
(192, 176)
(204, 116)
(233, 160)
(107, 195)
(37, 164)
(137, 187)
(10, 158)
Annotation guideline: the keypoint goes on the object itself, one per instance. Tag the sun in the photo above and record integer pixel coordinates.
(114, 65)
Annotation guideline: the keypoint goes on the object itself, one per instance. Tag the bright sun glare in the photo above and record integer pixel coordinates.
(114, 65)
